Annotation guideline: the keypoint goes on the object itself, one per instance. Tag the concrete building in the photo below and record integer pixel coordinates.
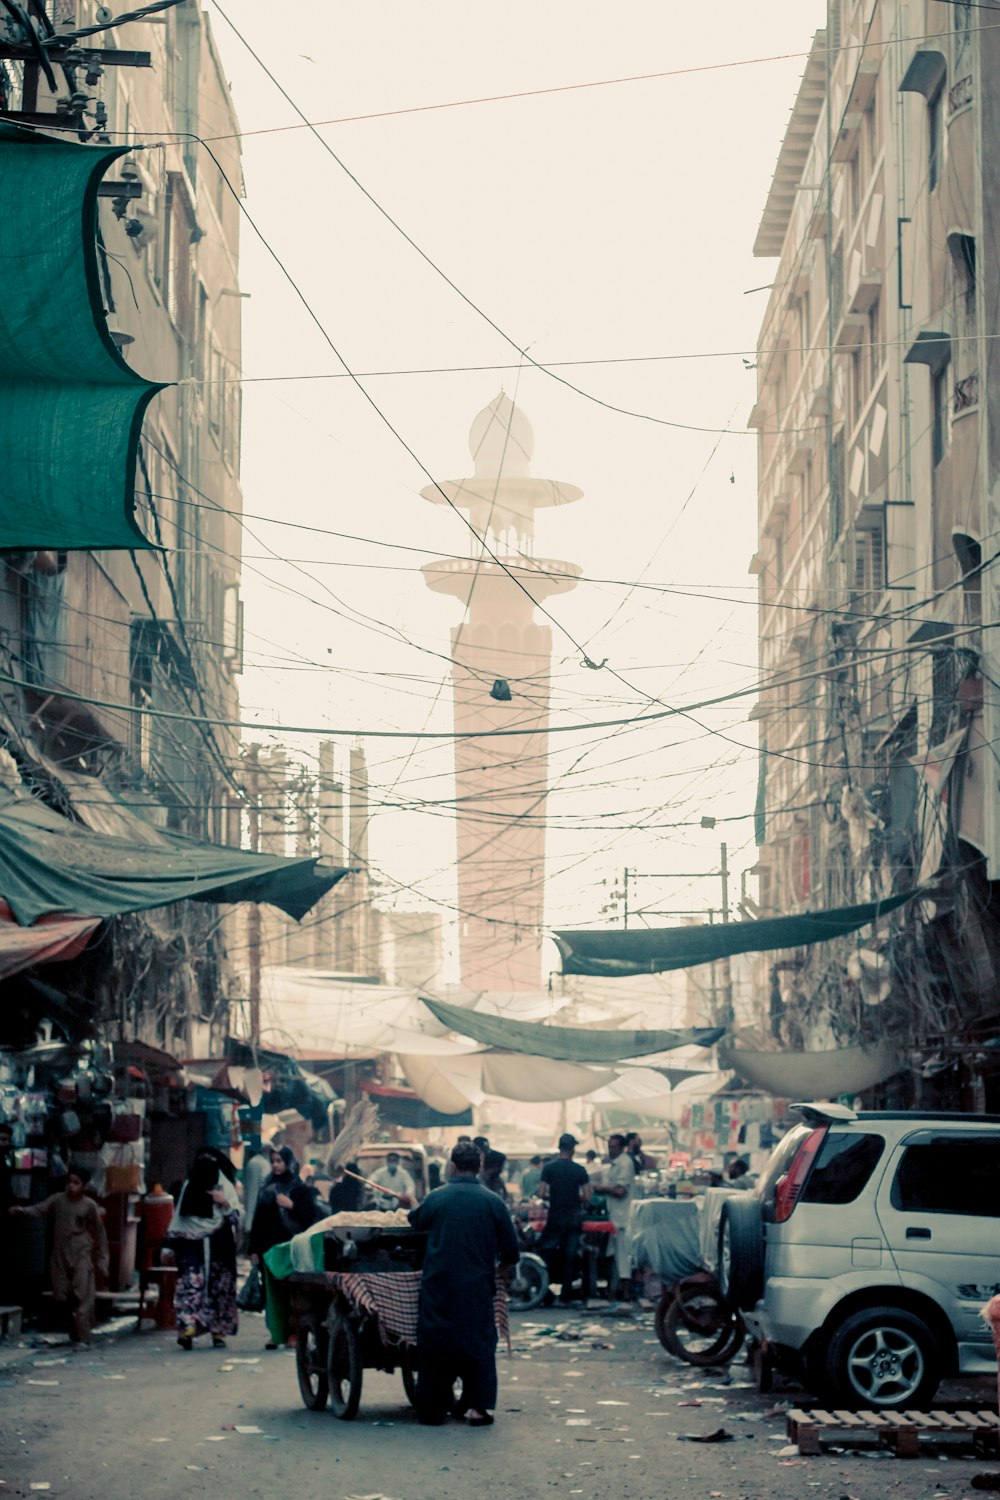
(159, 629)
(501, 680)
(879, 454)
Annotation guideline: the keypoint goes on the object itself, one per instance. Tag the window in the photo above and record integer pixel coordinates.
(843, 1167)
(869, 562)
(871, 129)
(873, 349)
(970, 559)
(941, 414)
(836, 508)
(953, 1174)
(836, 284)
(935, 138)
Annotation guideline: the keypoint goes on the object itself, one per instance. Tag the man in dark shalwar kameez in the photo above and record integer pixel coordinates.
(470, 1233)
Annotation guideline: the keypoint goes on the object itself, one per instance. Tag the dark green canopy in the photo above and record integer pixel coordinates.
(577, 1044)
(48, 864)
(613, 952)
(70, 407)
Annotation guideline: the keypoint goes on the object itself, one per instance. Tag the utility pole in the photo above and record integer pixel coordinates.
(253, 912)
(721, 874)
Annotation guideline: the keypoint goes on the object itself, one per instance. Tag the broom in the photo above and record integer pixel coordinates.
(360, 1126)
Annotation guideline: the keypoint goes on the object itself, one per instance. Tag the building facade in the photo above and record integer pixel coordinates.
(96, 638)
(879, 456)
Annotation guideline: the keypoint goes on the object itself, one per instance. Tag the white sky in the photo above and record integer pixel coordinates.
(590, 225)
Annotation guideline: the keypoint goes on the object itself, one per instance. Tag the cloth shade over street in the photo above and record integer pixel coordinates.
(813, 1075)
(566, 1043)
(613, 951)
(50, 865)
(51, 940)
(70, 407)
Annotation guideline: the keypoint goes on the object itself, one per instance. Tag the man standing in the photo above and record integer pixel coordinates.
(394, 1177)
(531, 1177)
(617, 1185)
(566, 1187)
(470, 1231)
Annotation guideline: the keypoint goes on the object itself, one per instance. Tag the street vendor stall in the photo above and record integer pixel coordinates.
(348, 1288)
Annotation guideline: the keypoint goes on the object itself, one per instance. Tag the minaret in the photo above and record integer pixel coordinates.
(501, 784)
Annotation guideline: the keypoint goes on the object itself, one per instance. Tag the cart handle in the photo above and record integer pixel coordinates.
(375, 1186)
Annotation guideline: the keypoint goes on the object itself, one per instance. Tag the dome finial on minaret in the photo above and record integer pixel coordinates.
(501, 440)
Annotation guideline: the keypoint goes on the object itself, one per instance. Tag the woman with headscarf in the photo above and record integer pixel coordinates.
(285, 1206)
(202, 1235)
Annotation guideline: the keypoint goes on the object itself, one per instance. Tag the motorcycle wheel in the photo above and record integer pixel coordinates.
(529, 1281)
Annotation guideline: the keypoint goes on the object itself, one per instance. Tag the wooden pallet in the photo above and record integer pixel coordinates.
(900, 1431)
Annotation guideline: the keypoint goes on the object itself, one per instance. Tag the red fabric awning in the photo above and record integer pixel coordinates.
(52, 939)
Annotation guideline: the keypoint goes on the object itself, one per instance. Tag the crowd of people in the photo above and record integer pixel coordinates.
(468, 1214)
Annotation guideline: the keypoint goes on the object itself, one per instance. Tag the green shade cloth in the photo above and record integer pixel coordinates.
(48, 864)
(565, 1043)
(70, 407)
(612, 953)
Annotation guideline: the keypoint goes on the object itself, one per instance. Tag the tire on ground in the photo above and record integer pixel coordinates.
(881, 1358)
(741, 1253)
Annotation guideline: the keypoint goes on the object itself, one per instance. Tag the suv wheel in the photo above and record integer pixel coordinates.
(882, 1357)
(741, 1253)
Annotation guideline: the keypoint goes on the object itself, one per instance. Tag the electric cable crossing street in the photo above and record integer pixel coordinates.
(499, 717)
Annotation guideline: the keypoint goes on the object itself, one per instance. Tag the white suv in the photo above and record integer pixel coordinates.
(864, 1255)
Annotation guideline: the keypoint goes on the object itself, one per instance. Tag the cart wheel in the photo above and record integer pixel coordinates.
(344, 1368)
(410, 1383)
(310, 1363)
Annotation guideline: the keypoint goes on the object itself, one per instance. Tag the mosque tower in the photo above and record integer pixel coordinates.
(501, 784)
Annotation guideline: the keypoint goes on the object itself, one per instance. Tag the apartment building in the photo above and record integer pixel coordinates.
(879, 453)
(98, 636)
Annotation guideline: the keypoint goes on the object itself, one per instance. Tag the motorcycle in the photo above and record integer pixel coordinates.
(528, 1284)
(693, 1322)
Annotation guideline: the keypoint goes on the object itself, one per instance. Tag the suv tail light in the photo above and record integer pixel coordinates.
(786, 1194)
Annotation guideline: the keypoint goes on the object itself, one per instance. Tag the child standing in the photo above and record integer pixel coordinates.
(79, 1250)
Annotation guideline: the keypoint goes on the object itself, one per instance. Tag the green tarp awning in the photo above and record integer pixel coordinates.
(565, 1043)
(48, 864)
(614, 953)
(70, 407)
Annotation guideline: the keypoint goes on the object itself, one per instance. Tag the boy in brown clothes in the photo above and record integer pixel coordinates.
(79, 1250)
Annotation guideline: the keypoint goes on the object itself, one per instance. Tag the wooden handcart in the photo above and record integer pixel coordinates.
(358, 1313)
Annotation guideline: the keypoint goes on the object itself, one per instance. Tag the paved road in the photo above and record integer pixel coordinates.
(138, 1418)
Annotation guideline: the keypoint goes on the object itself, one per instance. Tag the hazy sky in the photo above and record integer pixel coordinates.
(594, 224)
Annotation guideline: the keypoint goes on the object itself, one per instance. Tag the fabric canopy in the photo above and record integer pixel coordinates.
(70, 407)
(48, 864)
(51, 940)
(612, 952)
(405, 1108)
(564, 1043)
(814, 1075)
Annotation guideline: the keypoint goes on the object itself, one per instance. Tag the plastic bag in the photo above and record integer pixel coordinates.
(250, 1296)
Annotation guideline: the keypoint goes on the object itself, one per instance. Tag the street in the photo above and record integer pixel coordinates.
(138, 1417)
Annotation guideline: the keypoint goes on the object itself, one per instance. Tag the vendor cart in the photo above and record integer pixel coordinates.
(356, 1310)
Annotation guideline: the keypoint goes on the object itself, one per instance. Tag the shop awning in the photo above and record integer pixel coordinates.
(610, 952)
(51, 940)
(577, 1044)
(48, 865)
(70, 407)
